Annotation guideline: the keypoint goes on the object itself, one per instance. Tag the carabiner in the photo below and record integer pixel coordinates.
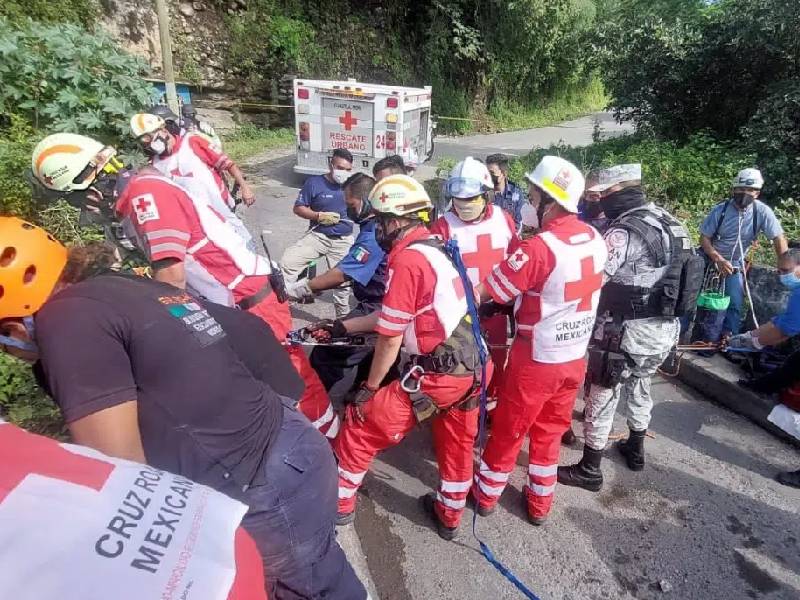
(415, 373)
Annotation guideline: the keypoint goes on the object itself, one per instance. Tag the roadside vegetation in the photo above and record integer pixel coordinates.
(248, 141)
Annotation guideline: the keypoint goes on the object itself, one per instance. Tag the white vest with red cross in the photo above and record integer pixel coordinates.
(75, 523)
(189, 171)
(568, 300)
(483, 244)
(449, 300)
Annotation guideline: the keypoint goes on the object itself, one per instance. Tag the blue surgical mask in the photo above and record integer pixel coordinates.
(790, 280)
(27, 346)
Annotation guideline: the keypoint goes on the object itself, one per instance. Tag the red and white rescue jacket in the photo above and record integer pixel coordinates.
(424, 300)
(169, 222)
(555, 279)
(195, 164)
(483, 244)
(77, 523)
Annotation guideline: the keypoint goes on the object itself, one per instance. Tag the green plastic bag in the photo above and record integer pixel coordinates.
(713, 301)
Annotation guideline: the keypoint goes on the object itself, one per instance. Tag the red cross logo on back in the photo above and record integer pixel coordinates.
(348, 120)
(585, 287)
(25, 454)
(485, 258)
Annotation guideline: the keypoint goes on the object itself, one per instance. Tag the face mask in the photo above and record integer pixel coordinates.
(27, 346)
(742, 199)
(592, 210)
(386, 240)
(360, 215)
(157, 146)
(340, 176)
(530, 216)
(468, 210)
(790, 280)
(620, 202)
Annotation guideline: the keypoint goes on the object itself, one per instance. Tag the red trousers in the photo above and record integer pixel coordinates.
(535, 399)
(314, 403)
(496, 329)
(389, 417)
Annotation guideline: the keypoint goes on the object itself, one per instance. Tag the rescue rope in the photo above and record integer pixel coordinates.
(451, 248)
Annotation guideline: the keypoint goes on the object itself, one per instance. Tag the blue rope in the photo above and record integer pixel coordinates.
(451, 248)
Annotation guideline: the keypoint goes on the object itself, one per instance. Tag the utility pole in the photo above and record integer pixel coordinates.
(166, 55)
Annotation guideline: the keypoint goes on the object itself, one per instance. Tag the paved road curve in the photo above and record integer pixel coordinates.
(704, 520)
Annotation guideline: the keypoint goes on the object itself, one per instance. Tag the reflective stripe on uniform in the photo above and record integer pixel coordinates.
(489, 490)
(345, 492)
(543, 470)
(455, 504)
(333, 430)
(167, 247)
(505, 282)
(455, 487)
(492, 282)
(236, 281)
(493, 475)
(167, 233)
(397, 314)
(325, 418)
(542, 490)
(197, 246)
(354, 478)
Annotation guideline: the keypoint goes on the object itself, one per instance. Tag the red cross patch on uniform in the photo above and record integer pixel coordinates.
(145, 208)
(517, 260)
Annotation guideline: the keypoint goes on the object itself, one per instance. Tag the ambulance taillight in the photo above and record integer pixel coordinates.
(391, 102)
(391, 140)
(302, 93)
(304, 135)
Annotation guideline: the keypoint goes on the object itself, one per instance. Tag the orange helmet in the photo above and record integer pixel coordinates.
(31, 261)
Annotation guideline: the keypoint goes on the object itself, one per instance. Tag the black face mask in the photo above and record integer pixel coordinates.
(359, 216)
(742, 199)
(592, 210)
(622, 201)
(387, 240)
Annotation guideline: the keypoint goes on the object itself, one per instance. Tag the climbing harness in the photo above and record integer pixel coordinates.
(451, 249)
(303, 337)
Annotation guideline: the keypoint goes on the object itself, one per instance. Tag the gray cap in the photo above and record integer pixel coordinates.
(617, 174)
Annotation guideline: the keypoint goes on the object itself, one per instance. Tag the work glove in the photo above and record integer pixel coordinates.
(743, 341)
(328, 218)
(299, 290)
(324, 330)
(356, 401)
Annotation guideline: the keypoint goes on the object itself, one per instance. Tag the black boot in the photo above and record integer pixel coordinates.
(586, 474)
(633, 449)
(790, 478)
(568, 438)
(428, 502)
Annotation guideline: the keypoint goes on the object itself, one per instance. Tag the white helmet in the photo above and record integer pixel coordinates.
(468, 179)
(143, 123)
(559, 179)
(66, 162)
(749, 178)
(399, 195)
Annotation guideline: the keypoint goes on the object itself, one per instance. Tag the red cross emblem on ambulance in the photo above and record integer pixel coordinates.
(348, 120)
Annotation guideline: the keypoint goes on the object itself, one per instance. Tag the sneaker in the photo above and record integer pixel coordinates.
(429, 505)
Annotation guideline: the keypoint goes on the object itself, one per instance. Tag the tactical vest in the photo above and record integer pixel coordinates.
(675, 293)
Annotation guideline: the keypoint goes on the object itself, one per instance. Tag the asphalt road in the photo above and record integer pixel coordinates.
(704, 519)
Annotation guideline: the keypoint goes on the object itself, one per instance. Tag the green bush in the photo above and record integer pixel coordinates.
(61, 78)
(23, 403)
(82, 12)
(16, 143)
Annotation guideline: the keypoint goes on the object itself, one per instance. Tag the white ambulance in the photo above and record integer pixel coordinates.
(371, 121)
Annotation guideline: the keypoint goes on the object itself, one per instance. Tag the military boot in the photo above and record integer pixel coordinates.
(633, 449)
(586, 474)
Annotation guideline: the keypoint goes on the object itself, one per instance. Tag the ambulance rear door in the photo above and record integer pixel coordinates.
(349, 124)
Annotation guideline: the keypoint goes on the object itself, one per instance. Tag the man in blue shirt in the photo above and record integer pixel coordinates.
(728, 232)
(780, 329)
(330, 231)
(507, 194)
(365, 266)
